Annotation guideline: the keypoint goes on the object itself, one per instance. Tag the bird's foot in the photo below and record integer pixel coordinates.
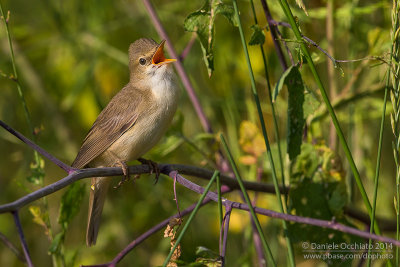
(153, 167)
(126, 177)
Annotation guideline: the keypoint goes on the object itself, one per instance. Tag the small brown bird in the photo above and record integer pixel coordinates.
(131, 124)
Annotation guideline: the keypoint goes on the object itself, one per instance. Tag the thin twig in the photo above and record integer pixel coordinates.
(12, 247)
(313, 43)
(227, 217)
(176, 199)
(287, 217)
(274, 35)
(37, 148)
(168, 169)
(227, 203)
(138, 169)
(22, 238)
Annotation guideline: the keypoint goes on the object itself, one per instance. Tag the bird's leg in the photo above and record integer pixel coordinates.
(153, 167)
(126, 177)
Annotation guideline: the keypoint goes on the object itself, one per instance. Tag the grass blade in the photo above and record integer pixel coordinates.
(246, 197)
(264, 131)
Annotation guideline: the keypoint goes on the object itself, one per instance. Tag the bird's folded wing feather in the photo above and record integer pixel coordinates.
(115, 119)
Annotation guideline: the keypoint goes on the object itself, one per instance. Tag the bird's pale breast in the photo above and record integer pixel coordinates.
(151, 125)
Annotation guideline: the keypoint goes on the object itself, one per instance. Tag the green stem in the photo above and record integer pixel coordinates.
(15, 78)
(264, 131)
(25, 107)
(182, 233)
(378, 165)
(246, 197)
(274, 116)
(335, 121)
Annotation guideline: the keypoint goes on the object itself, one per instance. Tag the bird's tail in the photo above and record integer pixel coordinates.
(98, 192)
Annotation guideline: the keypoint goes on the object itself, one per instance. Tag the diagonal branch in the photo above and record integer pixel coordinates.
(171, 171)
(139, 169)
(37, 148)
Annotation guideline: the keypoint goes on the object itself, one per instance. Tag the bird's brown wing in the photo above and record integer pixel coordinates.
(115, 119)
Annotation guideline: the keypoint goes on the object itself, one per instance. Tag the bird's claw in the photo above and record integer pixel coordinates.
(126, 177)
(153, 167)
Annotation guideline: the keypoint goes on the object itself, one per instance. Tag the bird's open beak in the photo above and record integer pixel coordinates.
(158, 57)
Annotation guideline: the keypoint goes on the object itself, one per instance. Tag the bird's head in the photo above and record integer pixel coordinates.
(146, 60)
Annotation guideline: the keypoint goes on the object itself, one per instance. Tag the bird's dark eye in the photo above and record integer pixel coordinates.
(142, 61)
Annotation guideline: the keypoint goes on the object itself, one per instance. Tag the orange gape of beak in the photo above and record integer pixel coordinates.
(159, 58)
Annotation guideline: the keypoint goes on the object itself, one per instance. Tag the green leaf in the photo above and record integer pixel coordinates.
(202, 22)
(258, 36)
(70, 203)
(56, 243)
(295, 116)
(292, 78)
(227, 11)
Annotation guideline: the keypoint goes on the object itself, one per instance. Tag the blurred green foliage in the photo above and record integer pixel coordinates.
(72, 58)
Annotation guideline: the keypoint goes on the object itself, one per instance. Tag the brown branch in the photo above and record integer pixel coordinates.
(138, 169)
(75, 175)
(288, 217)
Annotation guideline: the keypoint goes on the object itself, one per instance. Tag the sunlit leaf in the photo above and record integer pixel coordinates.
(37, 215)
(41, 217)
